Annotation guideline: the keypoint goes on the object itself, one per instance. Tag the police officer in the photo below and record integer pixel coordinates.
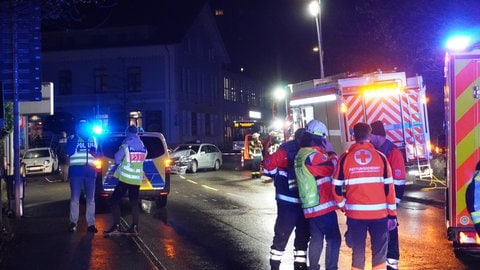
(279, 166)
(129, 171)
(82, 148)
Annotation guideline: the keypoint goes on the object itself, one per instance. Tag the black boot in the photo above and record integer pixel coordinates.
(299, 266)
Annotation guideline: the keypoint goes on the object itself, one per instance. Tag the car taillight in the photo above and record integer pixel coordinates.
(98, 164)
(168, 163)
(469, 237)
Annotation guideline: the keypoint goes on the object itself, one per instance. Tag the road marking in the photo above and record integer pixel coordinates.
(205, 186)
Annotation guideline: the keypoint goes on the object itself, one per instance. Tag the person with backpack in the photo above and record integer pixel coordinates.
(314, 166)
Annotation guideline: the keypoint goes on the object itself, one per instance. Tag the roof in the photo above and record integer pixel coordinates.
(170, 19)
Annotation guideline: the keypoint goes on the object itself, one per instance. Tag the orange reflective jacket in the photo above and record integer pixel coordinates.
(367, 177)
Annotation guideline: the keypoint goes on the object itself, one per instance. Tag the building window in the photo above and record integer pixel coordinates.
(226, 86)
(65, 82)
(134, 79)
(100, 80)
(194, 124)
(208, 125)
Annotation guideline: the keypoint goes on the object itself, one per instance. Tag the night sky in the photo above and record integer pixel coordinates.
(273, 39)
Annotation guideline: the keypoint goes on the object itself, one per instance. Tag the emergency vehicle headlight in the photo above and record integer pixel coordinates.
(468, 238)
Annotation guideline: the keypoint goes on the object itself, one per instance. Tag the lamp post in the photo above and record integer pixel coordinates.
(316, 10)
(281, 94)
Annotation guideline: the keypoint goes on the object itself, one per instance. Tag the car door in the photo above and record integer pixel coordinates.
(202, 156)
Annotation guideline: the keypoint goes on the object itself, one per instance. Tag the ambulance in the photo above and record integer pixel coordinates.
(462, 132)
(343, 100)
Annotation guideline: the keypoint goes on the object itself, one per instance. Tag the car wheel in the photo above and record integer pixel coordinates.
(194, 167)
(161, 201)
(216, 166)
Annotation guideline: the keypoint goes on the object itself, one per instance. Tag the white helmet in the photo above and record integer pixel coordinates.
(255, 135)
(316, 127)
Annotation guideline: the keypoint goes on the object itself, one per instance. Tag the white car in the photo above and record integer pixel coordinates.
(41, 160)
(194, 156)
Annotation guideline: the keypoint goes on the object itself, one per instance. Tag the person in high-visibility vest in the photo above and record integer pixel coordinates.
(82, 149)
(129, 171)
(369, 199)
(255, 149)
(472, 197)
(314, 166)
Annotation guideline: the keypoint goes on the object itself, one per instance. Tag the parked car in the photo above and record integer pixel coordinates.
(194, 156)
(156, 185)
(42, 160)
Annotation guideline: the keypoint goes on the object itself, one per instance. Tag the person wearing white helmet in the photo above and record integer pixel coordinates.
(255, 149)
(314, 166)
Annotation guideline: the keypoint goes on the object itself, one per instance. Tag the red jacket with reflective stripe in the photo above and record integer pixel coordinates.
(367, 177)
(321, 165)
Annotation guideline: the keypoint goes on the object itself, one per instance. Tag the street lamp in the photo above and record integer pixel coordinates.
(281, 93)
(315, 10)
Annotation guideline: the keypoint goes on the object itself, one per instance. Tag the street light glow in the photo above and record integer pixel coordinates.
(314, 8)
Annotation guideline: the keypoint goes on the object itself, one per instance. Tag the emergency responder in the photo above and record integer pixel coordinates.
(472, 197)
(255, 149)
(82, 148)
(314, 167)
(280, 167)
(129, 171)
(62, 156)
(395, 158)
(369, 199)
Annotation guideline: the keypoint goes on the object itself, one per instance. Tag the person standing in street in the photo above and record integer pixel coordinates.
(255, 149)
(397, 163)
(81, 149)
(62, 156)
(369, 199)
(129, 171)
(314, 167)
(472, 198)
(280, 166)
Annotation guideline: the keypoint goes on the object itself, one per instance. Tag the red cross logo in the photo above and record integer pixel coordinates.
(363, 157)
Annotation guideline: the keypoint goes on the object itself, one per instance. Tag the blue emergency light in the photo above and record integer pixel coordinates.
(97, 129)
(459, 43)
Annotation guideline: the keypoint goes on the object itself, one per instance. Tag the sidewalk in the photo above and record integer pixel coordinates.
(426, 191)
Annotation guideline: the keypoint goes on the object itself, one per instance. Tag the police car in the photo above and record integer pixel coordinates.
(156, 183)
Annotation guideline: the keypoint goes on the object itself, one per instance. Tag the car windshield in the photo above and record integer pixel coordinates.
(154, 146)
(37, 153)
(193, 147)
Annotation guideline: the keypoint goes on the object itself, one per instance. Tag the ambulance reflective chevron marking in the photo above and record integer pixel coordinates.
(462, 115)
(391, 97)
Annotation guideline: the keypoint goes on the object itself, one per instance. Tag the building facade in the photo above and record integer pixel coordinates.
(147, 74)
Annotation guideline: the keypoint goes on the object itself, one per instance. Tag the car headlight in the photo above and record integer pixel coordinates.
(46, 162)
